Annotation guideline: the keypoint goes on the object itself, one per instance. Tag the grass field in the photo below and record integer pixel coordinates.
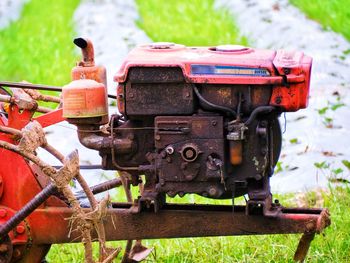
(191, 23)
(38, 48)
(332, 14)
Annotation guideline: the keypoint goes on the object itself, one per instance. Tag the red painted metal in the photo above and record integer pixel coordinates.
(50, 118)
(20, 185)
(288, 72)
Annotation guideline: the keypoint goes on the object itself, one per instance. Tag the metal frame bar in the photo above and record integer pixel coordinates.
(176, 221)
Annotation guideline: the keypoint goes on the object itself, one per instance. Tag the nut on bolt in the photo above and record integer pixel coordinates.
(169, 150)
(20, 229)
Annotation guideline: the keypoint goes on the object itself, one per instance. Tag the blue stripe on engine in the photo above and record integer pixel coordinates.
(228, 70)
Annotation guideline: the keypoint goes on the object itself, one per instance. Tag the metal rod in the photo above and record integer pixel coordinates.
(83, 167)
(37, 87)
(5, 98)
(103, 187)
(26, 210)
(100, 188)
(29, 86)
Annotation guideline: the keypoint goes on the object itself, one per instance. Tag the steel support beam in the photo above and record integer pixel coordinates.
(51, 225)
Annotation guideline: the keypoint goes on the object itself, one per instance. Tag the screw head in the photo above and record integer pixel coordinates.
(169, 150)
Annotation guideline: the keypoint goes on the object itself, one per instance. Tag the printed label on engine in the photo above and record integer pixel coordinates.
(228, 70)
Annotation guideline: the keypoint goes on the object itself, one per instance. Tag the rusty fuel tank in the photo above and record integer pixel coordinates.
(85, 99)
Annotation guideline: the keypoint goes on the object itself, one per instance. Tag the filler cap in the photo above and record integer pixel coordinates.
(162, 45)
(231, 48)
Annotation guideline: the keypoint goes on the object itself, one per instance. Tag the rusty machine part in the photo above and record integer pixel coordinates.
(191, 120)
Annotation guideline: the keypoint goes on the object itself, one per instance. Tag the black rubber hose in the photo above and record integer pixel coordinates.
(213, 106)
(257, 111)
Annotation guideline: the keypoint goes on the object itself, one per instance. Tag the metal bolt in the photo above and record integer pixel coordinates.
(157, 137)
(3, 213)
(214, 123)
(278, 100)
(258, 177)
(131, 95)
(16, 253)
(189, 154)
(212, 191)
(286, 71)
(189, 177)
(20, 229)
(169, 150)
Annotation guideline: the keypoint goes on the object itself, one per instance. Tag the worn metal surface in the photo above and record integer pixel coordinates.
(192, 154)
(185, 221)
(84, 98)
(159, 99)
(86, 68)
(248, 67)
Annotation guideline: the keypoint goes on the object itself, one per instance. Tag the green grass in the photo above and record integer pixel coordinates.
(333, 14)
(38, 48)
(333, 245)
(191, 23)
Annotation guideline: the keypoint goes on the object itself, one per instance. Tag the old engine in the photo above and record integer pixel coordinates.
(190, 120)
(198, 120)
